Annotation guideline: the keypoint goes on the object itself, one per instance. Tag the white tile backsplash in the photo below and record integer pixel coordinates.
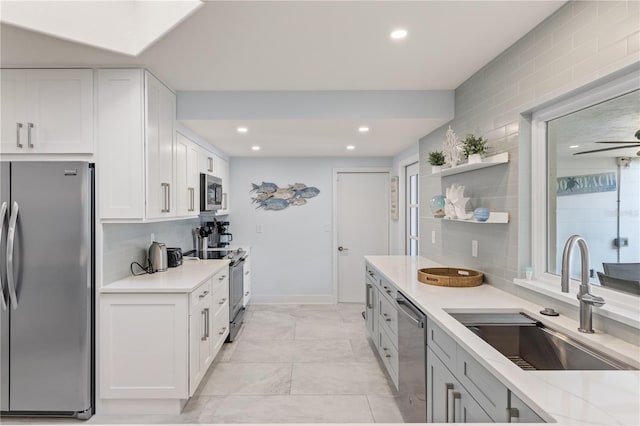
(124, 243)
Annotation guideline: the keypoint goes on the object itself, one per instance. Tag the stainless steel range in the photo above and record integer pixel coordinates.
(236, 284)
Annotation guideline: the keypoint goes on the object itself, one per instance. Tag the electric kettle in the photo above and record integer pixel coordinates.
(157, 257)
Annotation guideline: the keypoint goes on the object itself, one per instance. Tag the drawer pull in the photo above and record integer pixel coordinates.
(222, 330)
(222, 277)
(221, 302)
(389, 291)
(204, 294)
(246, 293)
(448, 389)
(246, 272)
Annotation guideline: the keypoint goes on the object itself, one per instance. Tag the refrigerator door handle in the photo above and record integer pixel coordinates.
(3, 215)
(13, 222)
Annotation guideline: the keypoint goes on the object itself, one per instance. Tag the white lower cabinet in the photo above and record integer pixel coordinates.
(155, 348)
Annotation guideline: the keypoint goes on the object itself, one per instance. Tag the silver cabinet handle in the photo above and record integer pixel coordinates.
(224, 200)
(368, 297)
(222, 277)
(3, 215)
(448, 389)
(164, 197)
(168, 197)
(210, 164)
(29, 127)
(513, 415)
(221, 302)
(246, 293)
(13, 222)
(204, 329)
(191, 199)
(18, 128)
(222, 330)
(204, 294)
(246, 272)
(385, 353)
(456, 397)
(207, 325)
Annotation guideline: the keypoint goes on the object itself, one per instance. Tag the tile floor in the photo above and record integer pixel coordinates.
(291, 364)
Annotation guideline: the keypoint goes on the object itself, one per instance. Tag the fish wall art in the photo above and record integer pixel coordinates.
(269, 196)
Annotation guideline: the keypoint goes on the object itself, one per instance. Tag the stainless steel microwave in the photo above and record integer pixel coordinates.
(210, 193)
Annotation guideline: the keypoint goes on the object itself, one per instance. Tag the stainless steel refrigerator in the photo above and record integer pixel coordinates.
(47, 285)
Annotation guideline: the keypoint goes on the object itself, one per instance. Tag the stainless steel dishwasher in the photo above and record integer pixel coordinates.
(411, 396)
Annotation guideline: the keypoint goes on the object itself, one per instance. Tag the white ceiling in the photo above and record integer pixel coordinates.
(311, 45)
(313, 138)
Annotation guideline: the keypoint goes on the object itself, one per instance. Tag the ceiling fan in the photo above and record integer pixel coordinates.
(634, 144)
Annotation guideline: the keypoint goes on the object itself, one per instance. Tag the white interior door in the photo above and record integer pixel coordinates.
(363, 228)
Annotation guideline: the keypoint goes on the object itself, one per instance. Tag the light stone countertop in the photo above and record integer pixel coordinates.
(181, 279)
(566, 397)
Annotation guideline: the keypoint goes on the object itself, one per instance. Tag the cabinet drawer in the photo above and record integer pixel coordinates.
(442, 345)
(200, 293)
(219, 298)
(482, 385)
(520, 412)
(389, 355)
(372, 275)
(388, 315)
(220, 278)
(388, 290)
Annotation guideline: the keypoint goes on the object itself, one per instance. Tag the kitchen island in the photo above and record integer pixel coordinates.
(566, 397)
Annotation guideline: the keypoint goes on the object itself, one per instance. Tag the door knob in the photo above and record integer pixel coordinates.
(342, 248)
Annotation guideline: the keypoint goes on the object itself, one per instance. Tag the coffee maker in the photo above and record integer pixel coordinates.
(219, 237)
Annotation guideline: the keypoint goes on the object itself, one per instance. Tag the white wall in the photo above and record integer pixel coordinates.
(397, 230)
(292, 256)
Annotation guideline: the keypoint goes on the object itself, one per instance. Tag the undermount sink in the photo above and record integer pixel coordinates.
(532, 346)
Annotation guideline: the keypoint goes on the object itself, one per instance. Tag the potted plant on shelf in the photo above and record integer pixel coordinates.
(473, 148)
(436, 159)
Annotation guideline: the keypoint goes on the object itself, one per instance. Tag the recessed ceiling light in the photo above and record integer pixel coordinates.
(398, 34)
(351, 147)
(363, 129)
(574, 146)
(242, 130)
(255, 148)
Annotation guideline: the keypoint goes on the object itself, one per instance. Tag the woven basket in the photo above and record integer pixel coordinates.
(450, 277)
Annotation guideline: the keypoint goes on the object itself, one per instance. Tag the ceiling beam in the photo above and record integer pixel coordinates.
(301, 105)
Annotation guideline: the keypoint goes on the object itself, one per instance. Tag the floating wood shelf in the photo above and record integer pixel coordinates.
(494, 160)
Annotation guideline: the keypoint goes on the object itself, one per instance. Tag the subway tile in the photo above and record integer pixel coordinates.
(592, 65)
(633, 43)
(618, 31)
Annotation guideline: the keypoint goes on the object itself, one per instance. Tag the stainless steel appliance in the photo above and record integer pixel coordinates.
(236, 283)
(210, 193)
(157, 257)
(411, 396)
(47, 288)
(174, 257)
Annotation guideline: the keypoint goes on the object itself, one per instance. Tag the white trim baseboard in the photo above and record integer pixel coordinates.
(302, 299)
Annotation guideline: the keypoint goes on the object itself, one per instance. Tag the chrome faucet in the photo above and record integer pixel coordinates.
(587, 300)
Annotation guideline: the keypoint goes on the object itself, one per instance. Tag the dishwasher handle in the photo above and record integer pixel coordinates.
(410, 312)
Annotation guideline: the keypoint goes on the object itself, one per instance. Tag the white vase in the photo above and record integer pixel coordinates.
(435, 169)
(475, 158)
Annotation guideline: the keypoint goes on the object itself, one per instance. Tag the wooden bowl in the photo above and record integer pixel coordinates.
(450, 277)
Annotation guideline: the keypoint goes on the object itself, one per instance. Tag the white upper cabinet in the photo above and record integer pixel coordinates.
(136, 115)
(160, 116)
(206, 162)
(187, 177)
(47, 111)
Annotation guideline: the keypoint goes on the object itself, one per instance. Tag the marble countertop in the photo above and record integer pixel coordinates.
(182, 279)
(567, 397)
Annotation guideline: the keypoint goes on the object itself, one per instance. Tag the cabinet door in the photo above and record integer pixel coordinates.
(467, 410)
(120, 122)
(206, 162)
(369, 305)
(520, 412)
(440, 387)
(60, 111)
(160, 102)
(183, 194)
(13, 95)
(193, 180)
(196, 333)
(143, 346)
(206, 354)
